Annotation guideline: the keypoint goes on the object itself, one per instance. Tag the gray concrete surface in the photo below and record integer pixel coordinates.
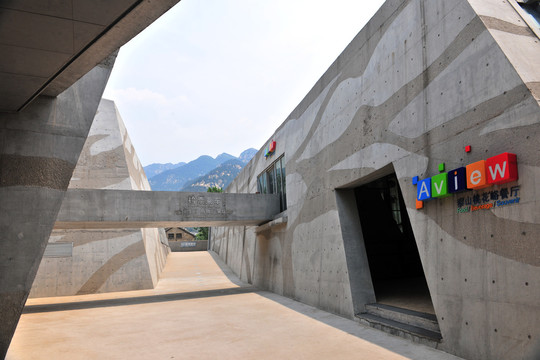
(117, 209)
(47, 46)
(421, 81)
(39, 148)
(61, 49)
(104, 260)
(199, 310)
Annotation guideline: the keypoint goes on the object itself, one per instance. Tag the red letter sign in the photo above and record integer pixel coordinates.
(502, 168)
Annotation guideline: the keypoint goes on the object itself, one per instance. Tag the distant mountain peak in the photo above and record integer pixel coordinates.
(155, 169)
(247, 155)
(221, 158)
(199, 174)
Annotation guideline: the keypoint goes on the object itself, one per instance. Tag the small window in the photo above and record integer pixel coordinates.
(283, 191)
(263, 182)
(171, 236)
(259, 185)
(272, 181)
(179, 236)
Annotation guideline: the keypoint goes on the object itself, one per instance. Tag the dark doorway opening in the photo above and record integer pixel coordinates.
(395, 266)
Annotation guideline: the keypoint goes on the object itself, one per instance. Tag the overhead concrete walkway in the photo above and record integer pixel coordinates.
(199, 310)
(125, 209)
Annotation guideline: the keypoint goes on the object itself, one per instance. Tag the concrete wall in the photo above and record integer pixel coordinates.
(63, 51)
(104, 260)
(421, 81)
(39, 148)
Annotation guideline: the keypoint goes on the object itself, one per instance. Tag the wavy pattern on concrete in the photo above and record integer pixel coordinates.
(48, 131)
(113, 264)
(105, 260)
(418, 83)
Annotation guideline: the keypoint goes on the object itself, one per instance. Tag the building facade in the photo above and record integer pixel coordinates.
(78, 262)
(179, 234)
(429, 91)
(181, 239)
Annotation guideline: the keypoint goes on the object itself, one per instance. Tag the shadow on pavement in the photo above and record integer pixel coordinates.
(30, 309)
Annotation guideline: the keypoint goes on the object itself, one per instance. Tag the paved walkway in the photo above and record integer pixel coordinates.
(199, 310)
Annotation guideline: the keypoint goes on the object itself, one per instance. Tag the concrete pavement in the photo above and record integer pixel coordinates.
(199, 310)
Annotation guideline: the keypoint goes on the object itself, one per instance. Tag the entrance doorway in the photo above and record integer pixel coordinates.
(395, 266)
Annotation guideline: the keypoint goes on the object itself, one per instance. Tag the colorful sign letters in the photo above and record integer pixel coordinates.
(270, 149)
(495, 170)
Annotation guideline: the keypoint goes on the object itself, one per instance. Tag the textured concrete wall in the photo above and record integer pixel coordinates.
(39, 148)
(121, 209)
(105, 260)
(421, 81)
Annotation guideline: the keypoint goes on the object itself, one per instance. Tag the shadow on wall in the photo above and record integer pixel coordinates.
(226, 270)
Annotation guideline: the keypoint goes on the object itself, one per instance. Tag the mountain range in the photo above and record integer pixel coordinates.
(199, 174)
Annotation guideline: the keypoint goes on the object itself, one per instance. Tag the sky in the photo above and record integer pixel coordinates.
(214, 76)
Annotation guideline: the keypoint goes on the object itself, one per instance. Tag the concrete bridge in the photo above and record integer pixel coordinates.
(127, 209)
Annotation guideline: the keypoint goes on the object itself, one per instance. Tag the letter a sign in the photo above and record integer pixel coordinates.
(424, 189)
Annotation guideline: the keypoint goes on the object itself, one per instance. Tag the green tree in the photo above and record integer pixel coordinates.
(202, 232)
(214, 189)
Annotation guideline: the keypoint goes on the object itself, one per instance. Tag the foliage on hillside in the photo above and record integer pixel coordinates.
(199, 174)
(220, 177)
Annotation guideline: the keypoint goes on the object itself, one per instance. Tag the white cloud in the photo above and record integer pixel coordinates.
(135, 96)
(221, 76)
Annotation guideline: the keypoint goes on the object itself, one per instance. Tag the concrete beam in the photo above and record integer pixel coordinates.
(47, 46)
(120, 209)
(135, 19)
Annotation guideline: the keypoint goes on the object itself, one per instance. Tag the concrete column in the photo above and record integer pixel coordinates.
(39, 148)
(362, 291)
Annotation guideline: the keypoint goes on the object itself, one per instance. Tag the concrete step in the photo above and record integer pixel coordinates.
(413, 325)
(405, 316)
(413, 333)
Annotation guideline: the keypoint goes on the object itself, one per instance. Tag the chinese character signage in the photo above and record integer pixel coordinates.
(488, 199)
